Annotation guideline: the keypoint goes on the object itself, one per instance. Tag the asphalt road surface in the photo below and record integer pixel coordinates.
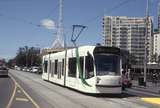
(30, 91)
(6, 89)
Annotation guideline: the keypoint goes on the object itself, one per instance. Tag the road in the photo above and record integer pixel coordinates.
(6, 89)
(36, 93)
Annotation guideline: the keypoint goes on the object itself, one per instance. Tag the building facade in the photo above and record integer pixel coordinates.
(156, 44)
(128, 33)
(158, 14)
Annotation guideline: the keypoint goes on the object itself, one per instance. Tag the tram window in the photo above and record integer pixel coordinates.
(45, 66)
(53, 66)
(62, 66)
(81, 65)
(56, 64)
(50, 66)
(59, 70)
(72, 67)
(89, 70)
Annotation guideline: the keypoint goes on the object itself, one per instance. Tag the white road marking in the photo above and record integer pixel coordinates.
(22, 99)
(13, 95)
(18, 91)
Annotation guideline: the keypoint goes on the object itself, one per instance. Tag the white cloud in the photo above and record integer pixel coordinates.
(48, 23)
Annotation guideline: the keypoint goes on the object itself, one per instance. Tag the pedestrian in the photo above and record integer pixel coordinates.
(155, 78)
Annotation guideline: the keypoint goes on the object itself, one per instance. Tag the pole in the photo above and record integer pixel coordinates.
(65, 60)
(146, 35)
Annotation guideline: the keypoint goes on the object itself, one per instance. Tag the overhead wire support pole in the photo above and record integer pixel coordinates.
(73, 39)
(59, 42)
(146, 35)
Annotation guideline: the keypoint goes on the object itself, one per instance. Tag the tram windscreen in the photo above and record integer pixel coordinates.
(107, 64)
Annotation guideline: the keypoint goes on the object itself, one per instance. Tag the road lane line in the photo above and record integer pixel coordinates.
(22, 99)
(152, 100)
(18, 91)
(28, 96)
(12, 97)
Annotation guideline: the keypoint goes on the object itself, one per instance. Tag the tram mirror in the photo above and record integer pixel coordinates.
(89, 66)
(90, 56)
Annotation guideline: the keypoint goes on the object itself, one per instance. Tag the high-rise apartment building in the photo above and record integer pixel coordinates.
(156, 44)
(158, 17)
(128, 33)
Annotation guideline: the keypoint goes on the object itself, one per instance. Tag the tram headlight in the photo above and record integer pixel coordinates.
(98, 80)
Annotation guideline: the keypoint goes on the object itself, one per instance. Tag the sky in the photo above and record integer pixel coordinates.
(23, 22)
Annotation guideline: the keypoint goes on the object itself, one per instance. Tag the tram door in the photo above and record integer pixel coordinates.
(72, 72)
(49, 69)
(60, 71)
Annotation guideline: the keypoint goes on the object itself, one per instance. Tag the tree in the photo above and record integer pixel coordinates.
(128, 59)
(28, 56)
(11, 63)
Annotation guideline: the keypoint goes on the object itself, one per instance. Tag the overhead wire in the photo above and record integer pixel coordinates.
(52, 11)
(29, 22)
(109, 11)
(20, 20)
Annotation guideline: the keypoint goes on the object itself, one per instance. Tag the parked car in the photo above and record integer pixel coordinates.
(3, 71)
(18, 68)
(28, 69)
(24, 69)
(40, 70)
(34, 69)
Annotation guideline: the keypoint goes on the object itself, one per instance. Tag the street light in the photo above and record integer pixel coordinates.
(146, 35)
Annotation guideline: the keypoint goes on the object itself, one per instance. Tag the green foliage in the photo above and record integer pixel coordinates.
(128, 59)
(28, 56)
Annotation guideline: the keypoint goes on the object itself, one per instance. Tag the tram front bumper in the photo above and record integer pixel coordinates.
(113, 89)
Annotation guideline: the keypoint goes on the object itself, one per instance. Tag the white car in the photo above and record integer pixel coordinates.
(34, 69)
(24, 69)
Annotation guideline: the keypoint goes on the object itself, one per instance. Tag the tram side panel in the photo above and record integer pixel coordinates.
(53, 71)
(56, 69)
(73, 74)
(45, 67)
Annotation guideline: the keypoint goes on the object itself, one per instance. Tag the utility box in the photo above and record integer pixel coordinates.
(141, 81)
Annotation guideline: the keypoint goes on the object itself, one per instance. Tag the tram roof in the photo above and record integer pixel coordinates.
(85, 47)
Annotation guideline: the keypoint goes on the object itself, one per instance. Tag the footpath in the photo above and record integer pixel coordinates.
(150, 88)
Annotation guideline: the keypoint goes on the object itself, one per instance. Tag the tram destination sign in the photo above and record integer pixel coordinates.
(110, 50)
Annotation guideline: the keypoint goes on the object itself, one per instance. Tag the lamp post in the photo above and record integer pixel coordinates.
(146, 35)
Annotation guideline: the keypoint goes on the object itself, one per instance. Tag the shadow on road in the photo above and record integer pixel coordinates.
(122, 95)
(5, 76)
